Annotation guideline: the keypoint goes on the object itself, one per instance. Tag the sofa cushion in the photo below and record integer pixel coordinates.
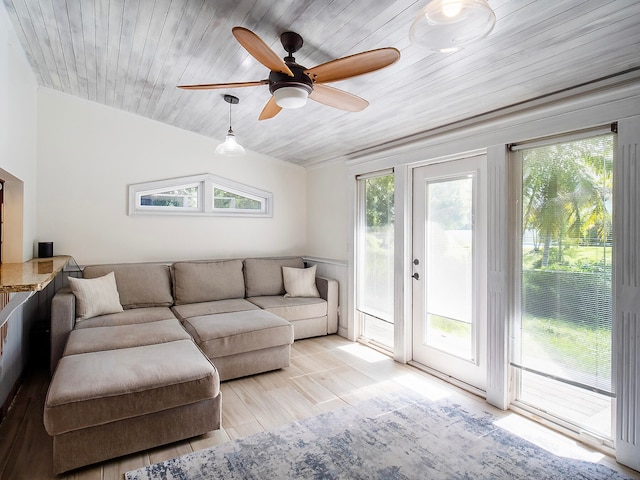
(300, 282)
(128, 317)
(292, 308)
(207, 281)
(232, 333)
(210, 308)
(99, 387)
(97, 339)
(95, 296)
(139, 285)
(263, 276)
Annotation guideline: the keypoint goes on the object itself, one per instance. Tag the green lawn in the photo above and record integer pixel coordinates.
(569, 345)
(452, 327)
(572, 347)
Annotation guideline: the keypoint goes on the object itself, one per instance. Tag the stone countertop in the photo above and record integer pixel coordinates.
(33, 275)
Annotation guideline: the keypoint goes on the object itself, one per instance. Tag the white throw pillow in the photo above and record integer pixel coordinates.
(300, 282)
(95, 296)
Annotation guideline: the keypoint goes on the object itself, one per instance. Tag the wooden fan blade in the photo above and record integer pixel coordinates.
(353, 65)
(336, 98)
(259, 50)
(210, 86)
(270, 110)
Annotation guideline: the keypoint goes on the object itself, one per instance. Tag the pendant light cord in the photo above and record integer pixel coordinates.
(231, 100)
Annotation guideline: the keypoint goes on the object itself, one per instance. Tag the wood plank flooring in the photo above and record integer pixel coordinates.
(325, 373)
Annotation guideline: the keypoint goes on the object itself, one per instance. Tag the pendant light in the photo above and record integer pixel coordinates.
(449, 25)
(230, 147)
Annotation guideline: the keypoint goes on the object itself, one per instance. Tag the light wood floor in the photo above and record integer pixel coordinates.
(325, 373)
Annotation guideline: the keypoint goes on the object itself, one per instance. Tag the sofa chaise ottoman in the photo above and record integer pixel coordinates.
(124, 388)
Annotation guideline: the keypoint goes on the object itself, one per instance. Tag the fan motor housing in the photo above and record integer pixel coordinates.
(300, 79)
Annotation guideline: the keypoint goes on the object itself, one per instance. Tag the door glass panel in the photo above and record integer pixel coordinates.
(449, 272)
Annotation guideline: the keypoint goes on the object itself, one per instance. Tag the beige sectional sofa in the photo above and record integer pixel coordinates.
(138, 350)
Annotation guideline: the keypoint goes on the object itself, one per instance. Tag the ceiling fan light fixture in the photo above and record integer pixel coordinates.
(230, 147)
(291, 97)
(449, 25)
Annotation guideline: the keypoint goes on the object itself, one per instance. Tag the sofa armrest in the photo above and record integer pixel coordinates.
(328, 288)
(63, 319)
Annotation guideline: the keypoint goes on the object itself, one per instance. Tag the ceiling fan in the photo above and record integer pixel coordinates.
(290, 84)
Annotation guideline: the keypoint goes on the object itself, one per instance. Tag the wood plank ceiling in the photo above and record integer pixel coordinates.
(131, 54)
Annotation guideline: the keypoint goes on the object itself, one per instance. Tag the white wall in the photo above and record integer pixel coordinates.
(328, 212)
(18, 169)
(87, 156)
(18, 132)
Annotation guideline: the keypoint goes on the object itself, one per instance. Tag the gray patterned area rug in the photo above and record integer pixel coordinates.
(398, 436)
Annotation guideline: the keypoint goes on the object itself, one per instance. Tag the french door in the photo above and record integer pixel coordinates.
(449, 269)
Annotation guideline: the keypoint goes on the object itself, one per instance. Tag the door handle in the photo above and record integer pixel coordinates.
(416, 276)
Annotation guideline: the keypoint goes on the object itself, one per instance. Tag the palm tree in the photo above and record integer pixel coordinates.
(565, 189)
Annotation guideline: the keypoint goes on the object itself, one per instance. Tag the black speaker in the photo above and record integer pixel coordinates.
(45, 249)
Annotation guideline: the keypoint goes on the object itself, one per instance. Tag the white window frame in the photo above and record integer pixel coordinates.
(205, 184)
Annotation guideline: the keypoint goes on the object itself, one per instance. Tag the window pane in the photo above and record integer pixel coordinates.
(180, 197)
(449, 271)
(224, 199)
(376, 287)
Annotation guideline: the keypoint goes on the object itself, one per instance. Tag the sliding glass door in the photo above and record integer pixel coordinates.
(563, 355)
